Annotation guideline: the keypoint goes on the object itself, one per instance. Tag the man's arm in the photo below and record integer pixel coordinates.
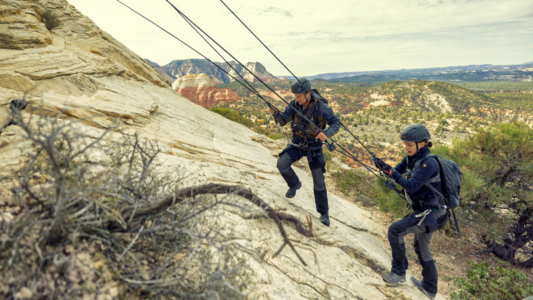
(331, 119)
(284, 117)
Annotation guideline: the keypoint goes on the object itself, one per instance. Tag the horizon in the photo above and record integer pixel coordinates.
(453, 66)
(346, 37)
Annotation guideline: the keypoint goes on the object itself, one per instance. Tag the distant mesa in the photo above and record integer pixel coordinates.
(180, 68)
(200, 89)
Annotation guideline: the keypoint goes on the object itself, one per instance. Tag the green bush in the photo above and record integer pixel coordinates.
(389, 201)
(232, 115)
(354, 182)
(276, 136)
(50, 20)
(488, 283)
(497, 166)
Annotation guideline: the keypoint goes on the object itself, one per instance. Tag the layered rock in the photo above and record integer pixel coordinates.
(21, 26)
(76, 47)
(259, 70)
(89, 77)
(201, 90)
(180, 68)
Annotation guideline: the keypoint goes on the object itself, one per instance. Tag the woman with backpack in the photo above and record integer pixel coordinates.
(421, 184)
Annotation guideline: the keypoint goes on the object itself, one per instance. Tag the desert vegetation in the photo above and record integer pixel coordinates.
(91, 213)
(486, 130)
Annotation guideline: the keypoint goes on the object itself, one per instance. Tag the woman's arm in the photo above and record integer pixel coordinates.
(421, 176)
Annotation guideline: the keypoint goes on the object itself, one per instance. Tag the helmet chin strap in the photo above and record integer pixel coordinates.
(307, 100)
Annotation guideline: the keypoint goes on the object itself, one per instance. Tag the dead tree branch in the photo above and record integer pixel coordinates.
(133, 213)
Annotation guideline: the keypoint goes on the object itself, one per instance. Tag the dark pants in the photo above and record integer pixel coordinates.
(318, 166)
(403, 227)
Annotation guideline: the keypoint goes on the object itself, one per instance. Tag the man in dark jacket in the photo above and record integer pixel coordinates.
(307, 141)
(428, 214)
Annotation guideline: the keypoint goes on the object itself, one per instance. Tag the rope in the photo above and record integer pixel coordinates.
(486, 227)
(254, 91)
(197, 52)
(260, 41)
(255, 76)
(345, 128)
(501, 241)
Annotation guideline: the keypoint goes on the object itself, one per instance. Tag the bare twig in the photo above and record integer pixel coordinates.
(133, 212)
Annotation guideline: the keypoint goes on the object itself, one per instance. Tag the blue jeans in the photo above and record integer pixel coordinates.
(318, 166)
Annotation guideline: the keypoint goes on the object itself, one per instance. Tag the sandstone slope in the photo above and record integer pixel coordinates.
(82, 68)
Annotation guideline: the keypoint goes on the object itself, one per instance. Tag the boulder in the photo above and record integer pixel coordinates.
(200, 89)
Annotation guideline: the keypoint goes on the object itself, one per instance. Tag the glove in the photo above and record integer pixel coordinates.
(277, 117)
(383, 166)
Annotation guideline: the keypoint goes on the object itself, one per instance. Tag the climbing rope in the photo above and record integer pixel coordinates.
(254, 91)
(387, 182)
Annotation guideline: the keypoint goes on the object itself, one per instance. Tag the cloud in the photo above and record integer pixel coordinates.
(344, 35)
(274, 11)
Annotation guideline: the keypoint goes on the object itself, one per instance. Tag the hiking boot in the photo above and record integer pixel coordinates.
(292, 191)
(393, 279)
(418, 284)
(324, 218)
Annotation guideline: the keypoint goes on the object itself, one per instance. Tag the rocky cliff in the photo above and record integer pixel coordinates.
(161, 71)
(83, 72)
(180, 68)
(201, 90)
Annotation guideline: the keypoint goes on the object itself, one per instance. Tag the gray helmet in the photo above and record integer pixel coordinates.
(302, 86)
(415, 133)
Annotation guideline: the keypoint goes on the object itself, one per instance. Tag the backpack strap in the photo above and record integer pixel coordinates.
(417, 164)
(410, 172)
(456, 224)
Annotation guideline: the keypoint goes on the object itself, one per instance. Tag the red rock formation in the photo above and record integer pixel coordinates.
(201, 90)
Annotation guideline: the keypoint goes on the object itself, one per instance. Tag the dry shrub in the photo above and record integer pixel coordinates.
(68, 236)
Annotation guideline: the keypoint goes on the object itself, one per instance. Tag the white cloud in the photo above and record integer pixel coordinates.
(314, 37)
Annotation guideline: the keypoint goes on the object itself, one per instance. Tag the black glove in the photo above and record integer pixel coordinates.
(383, 166)
(277, 117)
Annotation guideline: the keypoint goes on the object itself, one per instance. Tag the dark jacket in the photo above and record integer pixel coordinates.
(301, 128)
(415, 186)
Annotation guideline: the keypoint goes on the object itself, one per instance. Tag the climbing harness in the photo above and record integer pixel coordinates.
(423, 215)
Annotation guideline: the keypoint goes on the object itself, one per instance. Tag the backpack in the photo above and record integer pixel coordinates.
(450, 177)
(319, 98)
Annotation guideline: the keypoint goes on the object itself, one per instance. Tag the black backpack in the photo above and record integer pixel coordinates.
(451, 178)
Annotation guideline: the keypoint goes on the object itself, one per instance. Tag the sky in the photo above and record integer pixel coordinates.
(314, 36)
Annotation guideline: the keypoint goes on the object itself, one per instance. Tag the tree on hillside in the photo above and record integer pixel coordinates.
(498, 186)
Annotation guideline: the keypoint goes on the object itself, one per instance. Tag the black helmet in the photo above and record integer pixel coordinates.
(302, 86)
(415, 133)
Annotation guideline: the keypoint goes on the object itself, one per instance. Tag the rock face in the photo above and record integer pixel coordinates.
(161, 71)
(180, 68)
(90, 77)
(201, 90)
(76, 48)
